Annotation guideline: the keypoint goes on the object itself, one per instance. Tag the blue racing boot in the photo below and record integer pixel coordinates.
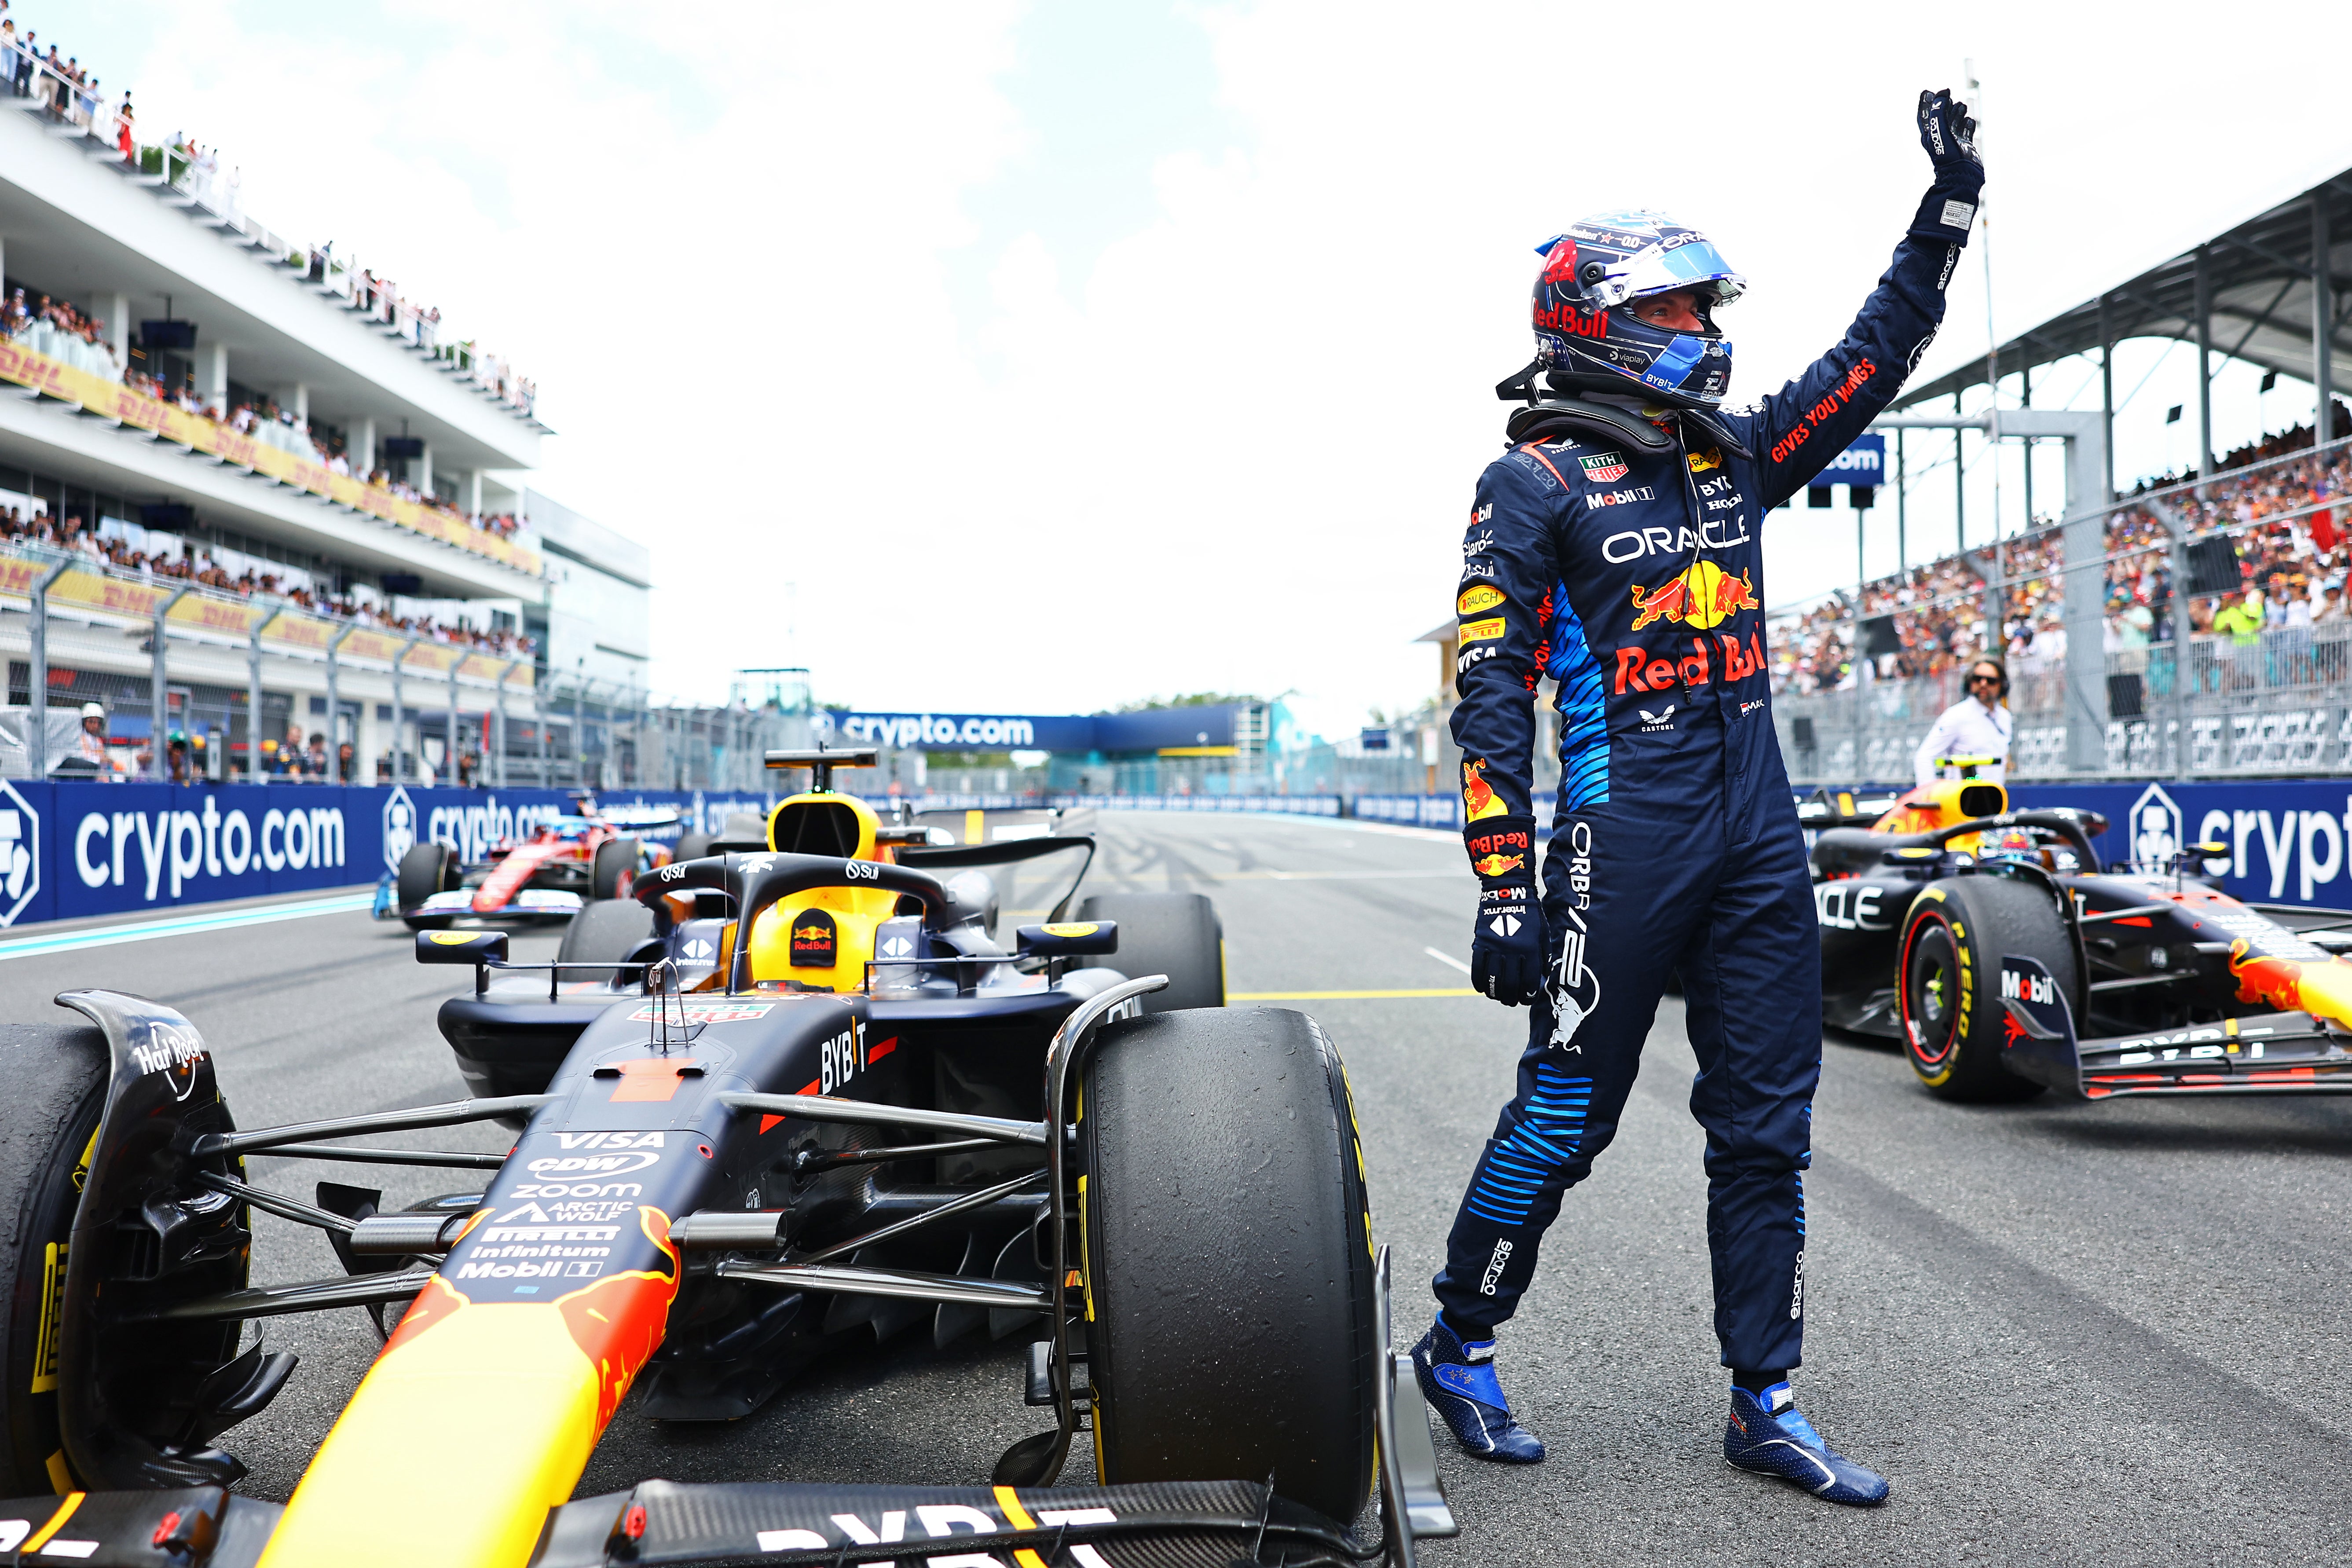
(1770, 1436)
(1459, 1379)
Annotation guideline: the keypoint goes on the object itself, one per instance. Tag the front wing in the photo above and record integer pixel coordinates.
(2268, 1053)
(1172, 1524)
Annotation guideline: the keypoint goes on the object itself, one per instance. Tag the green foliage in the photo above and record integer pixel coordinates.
(1193, 699)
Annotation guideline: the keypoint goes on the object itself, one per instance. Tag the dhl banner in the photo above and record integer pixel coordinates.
(91, 590)
(115, 401)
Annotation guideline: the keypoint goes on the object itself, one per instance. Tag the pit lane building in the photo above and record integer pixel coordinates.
(382, 470)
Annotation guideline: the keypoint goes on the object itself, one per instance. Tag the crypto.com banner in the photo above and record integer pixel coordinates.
(68, 850)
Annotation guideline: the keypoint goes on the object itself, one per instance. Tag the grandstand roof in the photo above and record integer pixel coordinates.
(2259, 273)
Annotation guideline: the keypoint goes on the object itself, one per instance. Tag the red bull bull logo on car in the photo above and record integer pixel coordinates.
(1703, 595)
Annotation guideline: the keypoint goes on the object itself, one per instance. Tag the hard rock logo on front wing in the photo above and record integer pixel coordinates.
(1702, 596)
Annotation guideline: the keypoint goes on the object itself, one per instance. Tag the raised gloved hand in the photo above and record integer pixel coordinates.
(1506, 945)
(1949, 136)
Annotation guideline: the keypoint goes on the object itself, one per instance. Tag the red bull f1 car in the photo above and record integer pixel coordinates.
(810, 1102)
(2006, 959)
(566, 863)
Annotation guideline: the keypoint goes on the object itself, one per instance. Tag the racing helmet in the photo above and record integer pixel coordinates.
(1588, 339)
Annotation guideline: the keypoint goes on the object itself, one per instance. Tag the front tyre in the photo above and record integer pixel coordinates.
(1228, 1264)
(425, 869)
(614, 873)
(1948, 980)
(56, 1076)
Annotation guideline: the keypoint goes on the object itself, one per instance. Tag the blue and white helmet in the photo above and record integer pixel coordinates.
(1585, 338)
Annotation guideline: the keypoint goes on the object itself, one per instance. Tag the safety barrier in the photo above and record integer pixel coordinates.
(1289, 805)
(72, 851)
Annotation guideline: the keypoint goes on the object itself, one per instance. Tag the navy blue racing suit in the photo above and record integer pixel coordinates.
(1631, 577)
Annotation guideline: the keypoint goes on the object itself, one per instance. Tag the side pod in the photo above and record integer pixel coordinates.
(2038, 1042)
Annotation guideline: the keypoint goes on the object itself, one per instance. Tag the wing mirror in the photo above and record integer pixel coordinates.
(1069, 939)
(461, 947)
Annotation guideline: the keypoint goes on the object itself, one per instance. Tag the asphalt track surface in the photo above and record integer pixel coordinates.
(2067, 1332)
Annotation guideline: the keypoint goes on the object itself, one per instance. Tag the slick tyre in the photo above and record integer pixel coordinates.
(1175, 935)
(55, 1076)
(1948, 980)
(424, 870)
(1228, 1271)
(689, 847)
(614, 873)
(604, 932)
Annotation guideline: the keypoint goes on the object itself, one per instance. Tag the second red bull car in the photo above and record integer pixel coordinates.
(2006, 959)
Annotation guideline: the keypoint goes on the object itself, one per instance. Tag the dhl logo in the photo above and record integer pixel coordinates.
(1703, 595)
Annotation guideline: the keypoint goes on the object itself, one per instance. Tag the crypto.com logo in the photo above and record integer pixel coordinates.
(20, 853)
(399, 827)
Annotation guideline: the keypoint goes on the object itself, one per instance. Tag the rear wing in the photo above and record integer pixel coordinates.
(1859, 807)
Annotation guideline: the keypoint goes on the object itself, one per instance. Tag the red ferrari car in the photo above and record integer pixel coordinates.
(549, 876)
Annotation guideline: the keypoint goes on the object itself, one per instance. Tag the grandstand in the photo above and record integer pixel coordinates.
(254, 495)
(2218, 598)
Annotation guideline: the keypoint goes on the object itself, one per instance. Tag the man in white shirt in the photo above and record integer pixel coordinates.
(1976, 726)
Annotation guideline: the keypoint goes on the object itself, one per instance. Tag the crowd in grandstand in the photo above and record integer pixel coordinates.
(69, 94)
(188, 563)
(2291, 559)
(54, 329)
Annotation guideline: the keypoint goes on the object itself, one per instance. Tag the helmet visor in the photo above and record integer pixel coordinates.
(1659, 269)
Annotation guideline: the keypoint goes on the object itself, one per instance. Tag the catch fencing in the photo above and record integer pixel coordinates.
(2168, 693)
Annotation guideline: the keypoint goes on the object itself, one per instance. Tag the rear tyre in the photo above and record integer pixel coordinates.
(424, 870)
(604, 932)
(1175, 935)
(55, 1076)
(1948, 979)
(614, 873)
(690, 847)
(1228, 1263)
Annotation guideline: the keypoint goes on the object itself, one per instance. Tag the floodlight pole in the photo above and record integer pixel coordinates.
(335, 711)
(512, 665)
(37, 695)
(2084, 536)
(159, 764)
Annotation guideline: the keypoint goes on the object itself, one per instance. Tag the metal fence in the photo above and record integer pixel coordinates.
(2192, 702)
(193, 665)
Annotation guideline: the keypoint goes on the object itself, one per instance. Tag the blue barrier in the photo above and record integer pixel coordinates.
(2287, 838)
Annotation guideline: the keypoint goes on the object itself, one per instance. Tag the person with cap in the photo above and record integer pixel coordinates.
(1613, 548)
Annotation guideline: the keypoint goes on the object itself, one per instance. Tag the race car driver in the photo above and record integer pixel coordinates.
(1613, 548)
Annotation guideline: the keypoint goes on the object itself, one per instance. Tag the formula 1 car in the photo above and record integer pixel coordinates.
(863, 1117)
(563, 864)
(1995, 947)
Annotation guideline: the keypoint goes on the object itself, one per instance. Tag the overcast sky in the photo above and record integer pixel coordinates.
(1036, 358)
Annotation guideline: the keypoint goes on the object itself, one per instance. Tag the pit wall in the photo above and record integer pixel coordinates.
(69, 851)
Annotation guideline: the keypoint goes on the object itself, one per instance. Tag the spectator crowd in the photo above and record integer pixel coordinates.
(2285, 569)
(179, 560)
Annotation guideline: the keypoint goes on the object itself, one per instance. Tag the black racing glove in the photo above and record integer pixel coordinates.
(1949, 209)
(1506, 945)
